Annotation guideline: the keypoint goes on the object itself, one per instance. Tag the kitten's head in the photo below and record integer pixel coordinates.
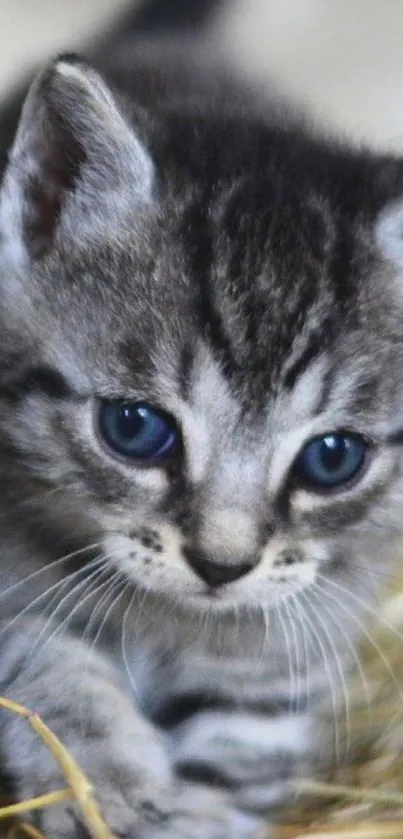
(202, 345)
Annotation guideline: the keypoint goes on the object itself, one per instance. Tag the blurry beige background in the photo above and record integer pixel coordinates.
(342, 58)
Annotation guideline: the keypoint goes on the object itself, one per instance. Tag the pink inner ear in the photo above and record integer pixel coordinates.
(72, 142)
(45, 191)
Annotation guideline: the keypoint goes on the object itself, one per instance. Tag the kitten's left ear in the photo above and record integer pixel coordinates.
(389, 233)
(75, 163)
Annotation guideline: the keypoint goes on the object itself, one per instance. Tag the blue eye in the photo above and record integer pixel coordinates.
(138, 431)
(330, 461)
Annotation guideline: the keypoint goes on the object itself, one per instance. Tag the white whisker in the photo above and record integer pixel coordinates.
(278, 605)
(329, 675)
(111, 584)
(57, 587)
(46, 568)
(300, 616)
(114, 592)
(74, 591)
(93, 587)
(297, 658)
(265, 642)
(364, 631)
(124, 643)
(340, 670)
(36, 650)
(363, 604)
(350, 646)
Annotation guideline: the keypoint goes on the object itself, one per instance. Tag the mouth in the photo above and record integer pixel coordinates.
(233, 595)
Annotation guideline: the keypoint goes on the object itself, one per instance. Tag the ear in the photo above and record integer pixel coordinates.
(389, 233)
(75, 163)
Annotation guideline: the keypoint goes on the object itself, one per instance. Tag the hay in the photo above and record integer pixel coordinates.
(78, 787)
(361, 799)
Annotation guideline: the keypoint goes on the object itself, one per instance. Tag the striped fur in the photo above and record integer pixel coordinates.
(165, 236)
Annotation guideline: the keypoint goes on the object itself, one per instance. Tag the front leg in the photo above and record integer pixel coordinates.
(253, 755)
(83, 702)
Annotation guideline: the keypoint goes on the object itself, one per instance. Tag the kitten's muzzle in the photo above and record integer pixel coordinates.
(213, 573)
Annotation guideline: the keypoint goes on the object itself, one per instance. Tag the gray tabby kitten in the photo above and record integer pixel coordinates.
(201, 423)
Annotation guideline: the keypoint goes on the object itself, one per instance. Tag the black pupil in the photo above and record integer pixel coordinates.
(333, 453)
(129, 422)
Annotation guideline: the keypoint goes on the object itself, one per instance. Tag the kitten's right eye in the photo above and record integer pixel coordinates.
(138, 431)
(331, 461)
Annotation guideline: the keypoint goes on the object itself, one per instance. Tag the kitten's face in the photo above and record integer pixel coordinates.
(212, 385)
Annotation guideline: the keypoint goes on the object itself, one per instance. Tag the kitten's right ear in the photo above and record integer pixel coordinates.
(75, 163)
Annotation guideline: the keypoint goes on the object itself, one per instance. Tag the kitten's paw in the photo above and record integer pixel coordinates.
(124, 818)
(122, 756)
(196, 813)
(202, 813)
(130, 809)
(137, 803)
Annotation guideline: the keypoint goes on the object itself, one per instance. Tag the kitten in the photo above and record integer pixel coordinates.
(201, 460)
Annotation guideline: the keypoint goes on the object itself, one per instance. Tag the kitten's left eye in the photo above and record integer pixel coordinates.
(138, 431)
(330, 461)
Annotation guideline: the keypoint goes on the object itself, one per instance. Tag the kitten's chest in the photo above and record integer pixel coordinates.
(169, 665)
(225, 710)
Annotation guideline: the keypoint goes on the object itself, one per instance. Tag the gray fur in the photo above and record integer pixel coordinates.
(153, 252)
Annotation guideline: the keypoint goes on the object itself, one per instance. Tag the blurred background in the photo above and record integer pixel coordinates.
(342, 58)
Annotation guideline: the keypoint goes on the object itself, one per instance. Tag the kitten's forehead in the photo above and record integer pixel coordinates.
(276, 284)
(264, 276)
(211, 395)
